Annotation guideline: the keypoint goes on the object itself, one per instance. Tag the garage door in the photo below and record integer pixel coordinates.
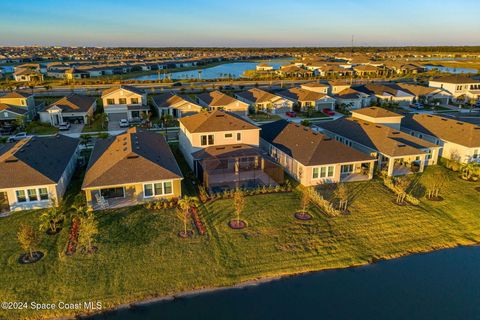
(115, 117)
(327, 105)
(73, 119)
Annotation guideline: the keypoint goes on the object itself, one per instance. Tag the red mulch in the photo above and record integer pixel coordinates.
(73, 237)
(301, 215)
(198, 223)
(237, 224)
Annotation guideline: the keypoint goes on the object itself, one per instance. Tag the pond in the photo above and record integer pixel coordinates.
(226, 70)
(450, 70)
(439, 285)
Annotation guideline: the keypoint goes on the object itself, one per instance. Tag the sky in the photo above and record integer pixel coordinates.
(239, 23)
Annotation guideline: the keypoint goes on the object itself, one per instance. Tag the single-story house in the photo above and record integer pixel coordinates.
(216, 100)
(426, 94)
(175, 105)
(262, 100)
(124, 102)
(352, 99)
(27, 75)
(308, 99)
(458, 140)
(397, 153)
(313, 158)
(387, 93)
(35, 172)
(129, 169)
(74, 109)
(316, 87)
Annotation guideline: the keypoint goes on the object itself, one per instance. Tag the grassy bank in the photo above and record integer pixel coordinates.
(140, 255)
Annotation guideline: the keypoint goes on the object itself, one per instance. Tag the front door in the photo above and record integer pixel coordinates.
(4, 206)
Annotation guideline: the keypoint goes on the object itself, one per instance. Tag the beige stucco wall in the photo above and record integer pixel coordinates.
(393, 122)
(116, 95)
(16, 206)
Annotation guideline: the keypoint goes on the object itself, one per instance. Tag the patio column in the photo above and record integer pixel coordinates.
(422, 163)
(370, 169)
(237, 164)
(391, 164)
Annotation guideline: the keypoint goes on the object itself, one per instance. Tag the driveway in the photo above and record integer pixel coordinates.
(74, 131)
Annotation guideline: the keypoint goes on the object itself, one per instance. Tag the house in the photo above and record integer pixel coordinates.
(352, 99)
(175, 105)
(262, 100)
(426, 94)
(73, 73)
(264, 67)
(335, 86)
(315, 87)
(458, 140)
(73, 109)
(35, 172)
(9, 115)
(366, 71)
(124, 102)
(381, 93)
(308, 99)
(458, 86)
(397, 153)
(379, 115)
(21, 100)
(129, 169)
(294, 71)
(216, 100)
(313, 158)
(223, 151)
(27, 75)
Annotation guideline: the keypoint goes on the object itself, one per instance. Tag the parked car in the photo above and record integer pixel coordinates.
(417, 105)
(19, 136)
(291, 114)
(124, 123)
(64, 126)
(228, 88)
(177, 84)
(328, 112)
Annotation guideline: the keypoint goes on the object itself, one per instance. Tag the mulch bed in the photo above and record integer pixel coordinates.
(301, 215)
(401, 204)
(51, 233)
(478, 189)
(237, 224)
(184, 235)
(439, 198)
(26, 259)
(73, 238)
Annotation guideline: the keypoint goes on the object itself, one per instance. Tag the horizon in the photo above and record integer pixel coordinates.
(218, 24)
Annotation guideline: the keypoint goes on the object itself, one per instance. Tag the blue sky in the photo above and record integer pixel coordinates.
(262, 23)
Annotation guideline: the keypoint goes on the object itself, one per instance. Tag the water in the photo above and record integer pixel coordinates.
(226, 70)
(439, 285)
(451, 70)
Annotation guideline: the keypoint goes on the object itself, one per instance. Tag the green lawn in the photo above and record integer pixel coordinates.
(313, 114)
(140, 255)
(261, 116)
(39, 128)
(96, 126)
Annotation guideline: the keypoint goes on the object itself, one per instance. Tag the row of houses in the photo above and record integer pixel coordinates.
(224, 150)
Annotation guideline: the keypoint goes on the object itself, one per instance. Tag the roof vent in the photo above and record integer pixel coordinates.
(395, 132)
(443, 119)
(401, 145)
(460, 123)
(11, 160)
(237, 147)
(132, 157)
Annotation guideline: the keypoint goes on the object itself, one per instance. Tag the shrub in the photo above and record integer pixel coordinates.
(322, 203)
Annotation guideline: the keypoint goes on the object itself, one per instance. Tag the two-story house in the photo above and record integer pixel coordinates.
(223, 151)
(124, 102)
(21, 100)
(458, 86)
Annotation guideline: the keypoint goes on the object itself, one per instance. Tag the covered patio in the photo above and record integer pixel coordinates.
(236, 166)
(361, 171)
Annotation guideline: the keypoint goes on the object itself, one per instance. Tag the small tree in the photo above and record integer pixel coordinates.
(28, 239)
(402, 185)
(50, 219)
(238, 203)
(305, 200)
(341, 193)
(88, 232)
(184, 216)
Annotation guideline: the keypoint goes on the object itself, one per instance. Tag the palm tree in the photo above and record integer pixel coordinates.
(50, 219)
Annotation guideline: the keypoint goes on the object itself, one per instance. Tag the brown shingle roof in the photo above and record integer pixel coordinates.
(74, 103)
(213, 121)
(301, 94)
(16, 95)
(128, 88)
(386, 140)
(376, 112)
(132, 157)
(256, 95)
(35, 161)
(14, 109)
(308, 147)
(216, 98)
(462, 133)
(457, 79)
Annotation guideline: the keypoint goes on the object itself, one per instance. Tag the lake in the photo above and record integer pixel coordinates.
(232, 69)
(439, 285)
(450, 70)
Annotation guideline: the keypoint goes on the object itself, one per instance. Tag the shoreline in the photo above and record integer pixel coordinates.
(256, 282)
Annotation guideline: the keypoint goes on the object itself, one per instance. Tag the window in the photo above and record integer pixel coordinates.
(112, 193)
(32, 194)
(207, 140)
(157, 189)
(323, 172)
(134, 100)
(239, 136)
(346, 168)
(110, 101)
(122, 101)
(43, 193)
(476, 154)
(21, 196)
(228, 135)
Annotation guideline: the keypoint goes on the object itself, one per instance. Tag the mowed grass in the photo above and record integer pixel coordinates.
(140, 255)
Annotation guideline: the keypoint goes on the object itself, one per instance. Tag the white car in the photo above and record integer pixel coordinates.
(123, 123)
(19, 136)
(64, 126)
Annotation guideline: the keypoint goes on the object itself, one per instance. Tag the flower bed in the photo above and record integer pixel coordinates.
(196, 219)
(73, 237)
